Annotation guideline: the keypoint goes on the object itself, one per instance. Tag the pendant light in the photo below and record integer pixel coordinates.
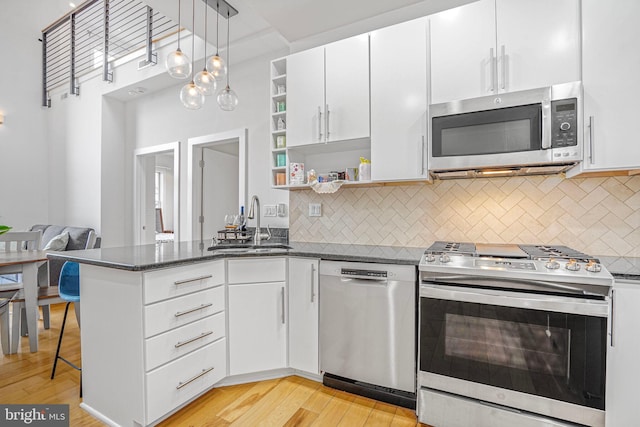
(216, 64)
(191, 95)
(204, 80)
(227, 98)
(178, 65)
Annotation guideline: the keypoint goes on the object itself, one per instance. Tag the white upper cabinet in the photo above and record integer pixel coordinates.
(496, 46)
(610, 70)
(347, 89)
(328, 93)
(463, 44)
(399, 101)
(305, 97)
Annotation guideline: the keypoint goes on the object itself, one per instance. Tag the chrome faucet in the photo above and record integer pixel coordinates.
(258, 236)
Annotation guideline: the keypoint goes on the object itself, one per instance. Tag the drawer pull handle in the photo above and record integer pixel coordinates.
(195, 279)
(200, 307)
(190, 340)
(192, 379)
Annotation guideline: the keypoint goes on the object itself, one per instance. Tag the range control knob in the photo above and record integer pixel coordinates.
(552, 264)
(572, 265)
(565, 126)
(429, 257)
(593, 266)
(444, 258)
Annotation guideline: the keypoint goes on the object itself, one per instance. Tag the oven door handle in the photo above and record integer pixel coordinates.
(465, 279)
(530, 301)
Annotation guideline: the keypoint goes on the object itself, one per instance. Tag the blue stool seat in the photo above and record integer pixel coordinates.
(69, 283)
(69, 291)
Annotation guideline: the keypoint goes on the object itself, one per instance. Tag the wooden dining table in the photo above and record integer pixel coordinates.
(27, 263)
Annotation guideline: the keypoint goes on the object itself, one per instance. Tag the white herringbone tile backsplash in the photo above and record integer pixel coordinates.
(599, 216)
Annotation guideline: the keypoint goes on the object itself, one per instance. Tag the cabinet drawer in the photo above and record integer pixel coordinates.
(173, 282)
(254, 270)
(170, 314)
(183, 379)
(178, 342)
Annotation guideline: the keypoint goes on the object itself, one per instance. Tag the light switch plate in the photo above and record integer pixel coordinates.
(315, 209)
(270, 210)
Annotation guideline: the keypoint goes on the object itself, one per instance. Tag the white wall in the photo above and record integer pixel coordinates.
(72, 163)
(159, 117)
(24, 142)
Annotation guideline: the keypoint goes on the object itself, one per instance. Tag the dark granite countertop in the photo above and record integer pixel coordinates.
(162, 255)
(627, 268)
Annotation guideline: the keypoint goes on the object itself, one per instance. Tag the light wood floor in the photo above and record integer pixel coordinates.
(291, 401)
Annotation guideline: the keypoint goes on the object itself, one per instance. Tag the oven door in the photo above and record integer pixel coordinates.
(540, 353)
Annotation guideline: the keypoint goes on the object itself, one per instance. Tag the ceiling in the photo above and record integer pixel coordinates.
(278, 27)
(265, 26)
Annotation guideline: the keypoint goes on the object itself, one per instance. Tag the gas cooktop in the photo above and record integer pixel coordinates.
(511, 261)
(505, 250)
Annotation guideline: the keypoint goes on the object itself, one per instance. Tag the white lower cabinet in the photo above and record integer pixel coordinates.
(303, 314)
(181, 380)
(257, 315)
(623, 376)
(151, 341)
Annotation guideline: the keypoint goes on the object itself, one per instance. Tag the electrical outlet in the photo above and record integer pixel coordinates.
(270, 210)
(315, 209)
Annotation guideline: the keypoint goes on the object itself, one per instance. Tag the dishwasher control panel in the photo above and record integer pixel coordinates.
(363, 273)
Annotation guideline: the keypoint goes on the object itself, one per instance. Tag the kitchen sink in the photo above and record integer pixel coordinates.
(249, 249)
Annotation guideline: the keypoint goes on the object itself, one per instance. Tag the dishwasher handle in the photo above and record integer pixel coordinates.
(355, 273)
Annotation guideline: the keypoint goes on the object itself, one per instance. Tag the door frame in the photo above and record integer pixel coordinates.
(139, 188)
(211, 140)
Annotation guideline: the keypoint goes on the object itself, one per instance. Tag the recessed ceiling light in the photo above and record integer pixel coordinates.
(72, 5)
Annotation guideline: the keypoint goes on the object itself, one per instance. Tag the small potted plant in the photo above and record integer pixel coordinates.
(4, 229)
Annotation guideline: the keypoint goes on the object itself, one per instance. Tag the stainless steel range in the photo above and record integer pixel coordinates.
(512, 335)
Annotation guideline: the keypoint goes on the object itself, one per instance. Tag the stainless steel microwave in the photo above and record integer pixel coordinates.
(536, 131)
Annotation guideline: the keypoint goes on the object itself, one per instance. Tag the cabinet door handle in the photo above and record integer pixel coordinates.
(313, 271)
(504, 67)
(282, 296)
(591, 135)
(319, 123)
(326, 130)
(200, 307)
(422, 157)
(190, 340)
(195, 279)
(492, 60)
(613, 298)
(192, 379)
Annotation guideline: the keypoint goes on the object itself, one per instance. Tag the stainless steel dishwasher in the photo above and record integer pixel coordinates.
(368, 329)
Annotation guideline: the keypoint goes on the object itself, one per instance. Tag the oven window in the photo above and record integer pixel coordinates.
(504, 130)
(535, 348)
(554, 355)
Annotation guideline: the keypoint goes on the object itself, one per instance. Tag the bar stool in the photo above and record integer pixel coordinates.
(69, 290)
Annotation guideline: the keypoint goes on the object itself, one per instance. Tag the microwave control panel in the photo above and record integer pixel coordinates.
(564, 115)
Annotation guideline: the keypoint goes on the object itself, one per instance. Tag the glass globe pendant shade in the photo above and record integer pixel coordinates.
(217, 67)
(178, 65)
(191, 96)
(205, 82)
(227, 99)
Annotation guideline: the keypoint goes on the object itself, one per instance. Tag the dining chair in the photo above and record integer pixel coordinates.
(5, 299)
(69, 290)
(16, 241)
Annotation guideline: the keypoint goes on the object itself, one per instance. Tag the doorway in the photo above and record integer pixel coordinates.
(157, 194)
(216, 181)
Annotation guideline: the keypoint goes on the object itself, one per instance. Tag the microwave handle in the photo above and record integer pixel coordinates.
(546, 121)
